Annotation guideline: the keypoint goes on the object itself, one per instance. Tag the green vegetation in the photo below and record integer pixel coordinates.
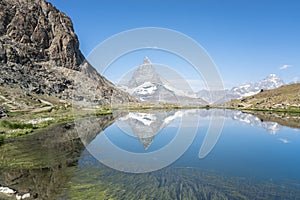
(274, 110)
(100, 182)
(2, 138)
(30, 112)
(15, 125)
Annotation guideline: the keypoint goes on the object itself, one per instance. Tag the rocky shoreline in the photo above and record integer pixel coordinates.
(9, 192)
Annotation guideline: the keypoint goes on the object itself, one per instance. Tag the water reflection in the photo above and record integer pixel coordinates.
(145, 126)
(43, 164)
(246, 163)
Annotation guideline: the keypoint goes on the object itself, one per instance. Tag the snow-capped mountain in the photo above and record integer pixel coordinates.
(270, 82)
(146, 84)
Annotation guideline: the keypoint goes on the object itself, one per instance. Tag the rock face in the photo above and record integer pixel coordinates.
(39, 52)
(36, 31)
(146, 84)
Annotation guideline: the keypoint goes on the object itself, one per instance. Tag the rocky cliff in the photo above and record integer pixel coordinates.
(39, 53)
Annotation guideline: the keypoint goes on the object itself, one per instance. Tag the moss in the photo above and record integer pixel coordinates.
(15, 125)
(17, 113)
(21, 132)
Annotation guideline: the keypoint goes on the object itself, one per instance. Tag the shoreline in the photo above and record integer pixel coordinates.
(16, 126)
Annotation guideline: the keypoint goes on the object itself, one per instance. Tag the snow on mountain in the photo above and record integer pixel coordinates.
(145, 88)
(146, 84)
(270, 82)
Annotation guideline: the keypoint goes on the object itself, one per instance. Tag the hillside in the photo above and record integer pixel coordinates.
(286, 97)
(42, 70)
(39, 54)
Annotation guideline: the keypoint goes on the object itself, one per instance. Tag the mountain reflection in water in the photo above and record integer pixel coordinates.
(54, 163)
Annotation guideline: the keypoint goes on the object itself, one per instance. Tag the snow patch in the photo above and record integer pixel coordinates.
(145, 88)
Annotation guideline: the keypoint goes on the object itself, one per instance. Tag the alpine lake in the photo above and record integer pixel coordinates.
(252, 156)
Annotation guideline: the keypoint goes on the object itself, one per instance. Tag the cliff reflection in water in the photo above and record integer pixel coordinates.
(54, 164)
(44, 163)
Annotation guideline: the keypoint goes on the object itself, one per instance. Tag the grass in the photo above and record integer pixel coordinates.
(15, 125)
(2, 139)
(279, 110)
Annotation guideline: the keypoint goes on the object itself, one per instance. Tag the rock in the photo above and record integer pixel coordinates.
(18, 196)
(7, 190)
(24, 196)
(39, 52)
(3, 112)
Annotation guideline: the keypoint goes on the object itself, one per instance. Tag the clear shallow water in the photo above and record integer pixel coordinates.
(252, 159)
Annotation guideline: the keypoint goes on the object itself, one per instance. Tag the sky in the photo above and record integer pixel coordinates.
(247, 40)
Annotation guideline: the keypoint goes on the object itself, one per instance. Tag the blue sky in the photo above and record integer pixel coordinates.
(246, 39)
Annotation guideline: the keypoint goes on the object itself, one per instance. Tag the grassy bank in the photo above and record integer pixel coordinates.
(24, 122)
(290, 110)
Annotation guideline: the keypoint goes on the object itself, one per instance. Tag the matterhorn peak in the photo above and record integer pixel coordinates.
(146, 60)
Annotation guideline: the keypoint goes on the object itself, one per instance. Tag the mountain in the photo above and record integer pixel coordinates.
(217, 97)
(285, 97)
(146, 84)
(39, 53)
(270, 82)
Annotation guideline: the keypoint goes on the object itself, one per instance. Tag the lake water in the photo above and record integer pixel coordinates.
(181, 152)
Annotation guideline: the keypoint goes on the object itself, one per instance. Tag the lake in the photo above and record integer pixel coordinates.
(171, 154)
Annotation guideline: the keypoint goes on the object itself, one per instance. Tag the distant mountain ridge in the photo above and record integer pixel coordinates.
(286, 97)
(146, 84)
(217, 97)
